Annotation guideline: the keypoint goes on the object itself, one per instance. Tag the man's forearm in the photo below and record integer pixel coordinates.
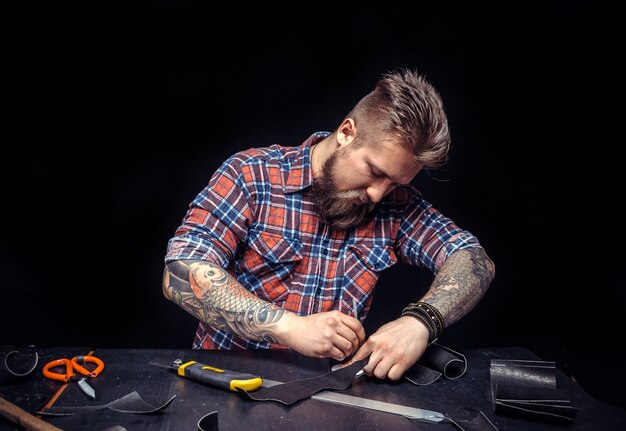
(212, 295)
(461, 283)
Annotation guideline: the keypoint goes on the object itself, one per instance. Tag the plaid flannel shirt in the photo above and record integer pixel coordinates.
(256, 218)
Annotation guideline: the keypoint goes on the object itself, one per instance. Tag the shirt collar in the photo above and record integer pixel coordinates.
(301, 172)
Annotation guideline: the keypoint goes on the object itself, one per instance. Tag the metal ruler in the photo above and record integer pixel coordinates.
(366, 403)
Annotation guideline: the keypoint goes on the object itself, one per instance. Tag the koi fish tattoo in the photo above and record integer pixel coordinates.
(212, 295)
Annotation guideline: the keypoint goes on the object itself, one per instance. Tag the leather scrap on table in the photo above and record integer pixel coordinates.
(131, 403)
(16, 365)
(291, 392)
(435, 362)
(480, 422)
(528, 388)
(438, 361)
(209, 422)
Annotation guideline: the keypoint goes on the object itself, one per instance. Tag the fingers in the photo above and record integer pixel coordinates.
(345, 339)
(393, 349)
(322, 335)
(349, 339)
(337, 354)
(383, 367)
(356, 327)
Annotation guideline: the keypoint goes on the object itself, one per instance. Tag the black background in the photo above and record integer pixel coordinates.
(113, 116)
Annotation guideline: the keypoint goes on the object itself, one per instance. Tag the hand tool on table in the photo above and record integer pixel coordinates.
(75, 364)
(366, 403)
(218, 377)
(23, 418)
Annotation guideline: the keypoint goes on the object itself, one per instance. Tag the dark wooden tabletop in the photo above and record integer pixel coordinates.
(129, 370)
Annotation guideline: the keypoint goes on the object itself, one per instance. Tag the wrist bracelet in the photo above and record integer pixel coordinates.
(428, 315)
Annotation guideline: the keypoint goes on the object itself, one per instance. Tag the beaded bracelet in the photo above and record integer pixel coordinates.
(428, 315)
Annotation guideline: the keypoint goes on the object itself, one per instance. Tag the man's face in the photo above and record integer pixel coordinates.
(356, 177)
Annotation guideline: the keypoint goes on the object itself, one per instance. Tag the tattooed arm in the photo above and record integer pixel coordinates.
(210, 294)
(461, 283)
(456, 289)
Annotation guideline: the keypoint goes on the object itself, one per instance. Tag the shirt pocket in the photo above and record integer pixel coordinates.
(269, 263)
(376, 258)
(363, 265)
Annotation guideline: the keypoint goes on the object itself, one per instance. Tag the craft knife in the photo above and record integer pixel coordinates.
(218, 377)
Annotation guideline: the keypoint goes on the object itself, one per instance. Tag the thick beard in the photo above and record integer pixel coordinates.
(336, 208)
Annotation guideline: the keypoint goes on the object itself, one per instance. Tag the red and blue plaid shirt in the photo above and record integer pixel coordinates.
(257, 219)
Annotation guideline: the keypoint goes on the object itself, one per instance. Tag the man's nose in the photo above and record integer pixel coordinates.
(377, 192)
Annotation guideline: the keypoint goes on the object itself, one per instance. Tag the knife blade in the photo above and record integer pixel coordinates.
(86, 388)
(366, 403)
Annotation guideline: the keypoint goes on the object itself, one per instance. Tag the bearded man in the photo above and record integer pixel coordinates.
(284, 246)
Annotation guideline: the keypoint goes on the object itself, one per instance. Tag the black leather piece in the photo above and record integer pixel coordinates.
(421, 375)
(209, 422)
(480, 422)
(535, 410)
(294, 391)
(131, 403)
(437, 361)
(528, 389)
(16, 365)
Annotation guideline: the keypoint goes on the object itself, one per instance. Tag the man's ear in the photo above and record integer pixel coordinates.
(346, 132)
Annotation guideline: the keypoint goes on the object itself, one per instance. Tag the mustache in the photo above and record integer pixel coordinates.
(352, 195)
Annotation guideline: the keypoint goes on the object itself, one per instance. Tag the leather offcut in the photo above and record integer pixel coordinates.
(209, 422)
(528, 389)
(131, 403)
(437, 361)
(291, 392)
(480, 422)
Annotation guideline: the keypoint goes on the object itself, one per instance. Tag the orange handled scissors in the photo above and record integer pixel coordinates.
(75, 364)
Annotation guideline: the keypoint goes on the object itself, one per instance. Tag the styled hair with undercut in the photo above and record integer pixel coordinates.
(407, 108)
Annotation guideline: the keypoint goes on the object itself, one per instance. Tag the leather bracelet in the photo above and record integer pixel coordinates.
(429, 315)
(433, 313)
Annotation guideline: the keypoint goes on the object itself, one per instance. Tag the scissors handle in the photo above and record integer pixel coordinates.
(78, 361)
(69, 373)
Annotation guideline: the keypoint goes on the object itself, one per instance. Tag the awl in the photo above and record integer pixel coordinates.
(218, 377)
(366, 403)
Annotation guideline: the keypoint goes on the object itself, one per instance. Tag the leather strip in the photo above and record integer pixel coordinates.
(480, 422)
(294, 391)
(421, 375)
(131, 403)
(437, 361)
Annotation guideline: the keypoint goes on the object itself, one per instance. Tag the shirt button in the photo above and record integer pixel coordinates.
(325, 251)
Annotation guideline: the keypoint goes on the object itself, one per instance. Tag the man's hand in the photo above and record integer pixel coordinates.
(322, 335)
(394, 348)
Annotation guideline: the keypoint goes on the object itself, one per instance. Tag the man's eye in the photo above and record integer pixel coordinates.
(374, 173)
